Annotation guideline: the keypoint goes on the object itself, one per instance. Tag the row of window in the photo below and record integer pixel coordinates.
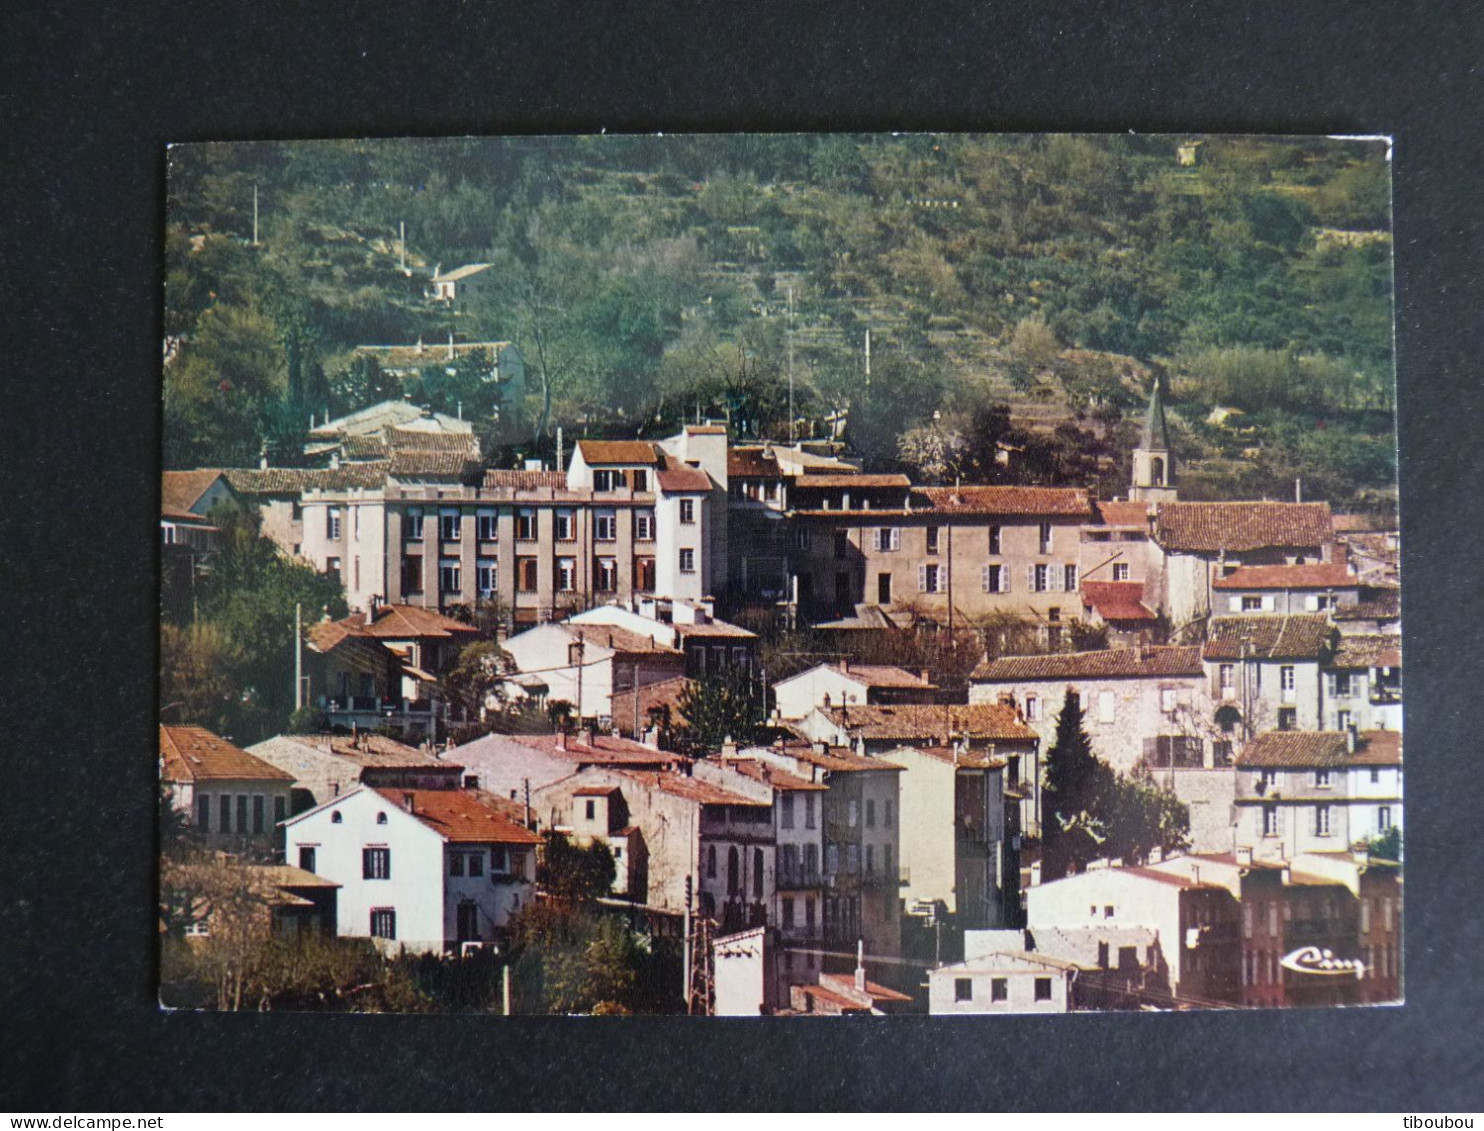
(239, 813)
(736, 882)
(995, 578)
(564, 523)
(1321, 820)
(999, 989)
(853, 811)
(786, 806)
(887, 539)
(852, 860)
(565, 575)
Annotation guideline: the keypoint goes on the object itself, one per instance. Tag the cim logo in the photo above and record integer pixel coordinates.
(1316, 960)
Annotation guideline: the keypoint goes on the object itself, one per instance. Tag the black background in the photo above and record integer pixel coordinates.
(94, 91)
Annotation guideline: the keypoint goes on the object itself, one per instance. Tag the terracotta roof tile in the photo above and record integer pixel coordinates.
(1383, 650)
(1212, 527)
(1157, 661)
(294, 480)
(596, 452)
(665, 693)
(914, 721)
(717, 628)
(772, 775)
(1266, 637)
(620, 639)
(1008, 500)
(1384, 606)
(851, 481)
(182, 490)
(1122, 513)
(836, 759)
(603, 750)
(392, 622)
(677, 477)
(365, 750)
(884, 675)
(744, 463)
(195, 754)
(1297, 749)
(690, 789)
(969, 759)
(1319, 575)
(460, 817)
(439, 465)
(526, 480)
(1117, 600)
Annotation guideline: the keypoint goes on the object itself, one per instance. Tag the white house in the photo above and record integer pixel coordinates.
(1317, 792)
(1002, 982)
(232, 799)
(844, 683)
(421, 870)
(585, 665)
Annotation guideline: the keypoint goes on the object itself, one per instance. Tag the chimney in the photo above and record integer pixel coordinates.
(1244, 857)
(263, 460)
(820, 748)
(450, 345)
(1350, 739)
(860, 965)
(651, 738)
(729, 747)
(561, 739)
(335, 461)
(420, 343)
(1298, 490)
(922, 673)
(1156, 855)
(585, 736)
(845, 665)
(1036, 874)
(408, 801)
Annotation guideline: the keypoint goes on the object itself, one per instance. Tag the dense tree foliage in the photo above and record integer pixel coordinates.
(227, 635)
(1093, 812)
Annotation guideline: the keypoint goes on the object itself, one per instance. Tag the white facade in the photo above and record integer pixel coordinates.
(1001, 982)
(414, 878)
(1111, 897)
(824, 685)
(1283, 812)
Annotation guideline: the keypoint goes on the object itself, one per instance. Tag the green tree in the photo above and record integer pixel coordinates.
(1076, 786)
(1387, 846)
(573, 873)
(478, 681)
(716, 708)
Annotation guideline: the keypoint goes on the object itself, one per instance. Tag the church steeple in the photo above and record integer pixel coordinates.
(1154, 465)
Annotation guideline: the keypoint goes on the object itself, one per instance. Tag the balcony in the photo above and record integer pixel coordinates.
(372, 713)
(1382, 696)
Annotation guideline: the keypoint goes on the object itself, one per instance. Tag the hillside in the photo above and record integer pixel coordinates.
(649, 279)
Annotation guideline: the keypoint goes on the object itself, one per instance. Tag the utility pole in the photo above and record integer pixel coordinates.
(255, 215)
(791, 415)
(685, 947)
(402, 245)
(559, 460)
(505, 987)
(298, 656)
(868, 357)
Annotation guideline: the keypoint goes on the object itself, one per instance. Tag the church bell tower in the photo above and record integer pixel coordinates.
(1154, 465)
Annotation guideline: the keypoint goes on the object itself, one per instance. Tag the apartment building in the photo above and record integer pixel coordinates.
(626, 518)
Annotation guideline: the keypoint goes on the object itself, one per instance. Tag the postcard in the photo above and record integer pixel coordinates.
(780, 575)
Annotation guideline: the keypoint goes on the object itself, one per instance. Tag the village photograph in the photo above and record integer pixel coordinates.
(788, 575)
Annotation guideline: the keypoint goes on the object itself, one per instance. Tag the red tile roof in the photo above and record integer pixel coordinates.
(680, 478)
(837, 759)
(460, 817)
(1008, 500)
(440, 465)
(752, 463)
(525, 480)
(690, 789)
(182, 490)
(392, 622)
(772, 775)
(1320, 575)
(1122, 513)
(1117, 600)
(1303, 636)
(603, 750)
(1207, 528)
(194, 754)
(969, 759)
(912, 721)
(1297, 749)
(1156, 661)
(618, 451)
(884, 675)
(1384, 606)
(365, 750)
(621, 640)
(293, 480)
(851, 481)
(1383, 650)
